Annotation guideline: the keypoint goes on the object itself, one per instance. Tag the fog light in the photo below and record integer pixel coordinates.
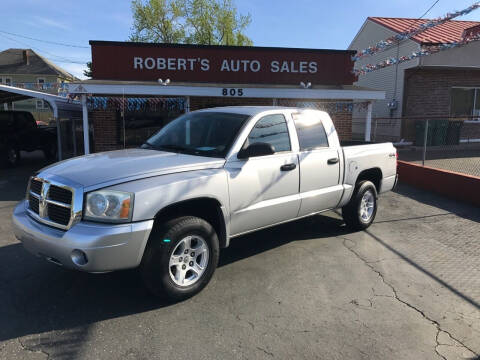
(79, 257)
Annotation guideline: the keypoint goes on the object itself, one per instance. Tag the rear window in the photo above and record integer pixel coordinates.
(310, 131)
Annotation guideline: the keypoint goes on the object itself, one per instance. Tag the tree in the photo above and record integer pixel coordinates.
(88, 71)
(157, 21)
(207, 22)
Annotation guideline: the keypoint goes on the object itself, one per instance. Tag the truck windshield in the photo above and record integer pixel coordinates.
(199, 133)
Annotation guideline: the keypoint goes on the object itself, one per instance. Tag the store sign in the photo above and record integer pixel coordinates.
(219, 64)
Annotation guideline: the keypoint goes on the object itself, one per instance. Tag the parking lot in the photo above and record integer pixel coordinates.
(407, 288)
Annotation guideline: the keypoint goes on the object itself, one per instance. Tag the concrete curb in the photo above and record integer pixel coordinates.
(455, 185)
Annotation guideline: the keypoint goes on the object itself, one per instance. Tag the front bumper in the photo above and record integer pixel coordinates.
(107, 247)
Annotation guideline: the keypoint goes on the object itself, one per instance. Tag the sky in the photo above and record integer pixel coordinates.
(285, 23)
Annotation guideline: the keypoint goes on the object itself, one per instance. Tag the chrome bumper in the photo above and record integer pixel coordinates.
(107, 247)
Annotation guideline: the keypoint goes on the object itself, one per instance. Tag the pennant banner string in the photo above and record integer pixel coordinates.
(424, 52)
(391, 41)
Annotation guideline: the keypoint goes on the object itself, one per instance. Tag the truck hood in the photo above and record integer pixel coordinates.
(114, 167)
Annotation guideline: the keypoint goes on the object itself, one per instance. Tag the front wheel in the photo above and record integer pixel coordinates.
(180, 258)
(360, 212)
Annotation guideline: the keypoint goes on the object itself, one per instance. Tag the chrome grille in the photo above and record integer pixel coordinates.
(60, 194)
(36, 186)
(52, 203)
(33, 203)
(59, 214)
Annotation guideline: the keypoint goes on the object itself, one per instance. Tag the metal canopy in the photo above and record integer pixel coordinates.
(57, 103)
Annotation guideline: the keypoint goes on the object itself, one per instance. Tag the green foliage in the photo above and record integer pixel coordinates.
(88, 71)
(208, 22)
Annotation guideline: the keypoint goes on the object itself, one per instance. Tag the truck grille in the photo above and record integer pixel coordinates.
(51, 204)
(59, 214)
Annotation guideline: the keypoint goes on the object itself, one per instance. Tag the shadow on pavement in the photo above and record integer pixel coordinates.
(424, 270)
(39, 297)
(13, 181)
(461, 209)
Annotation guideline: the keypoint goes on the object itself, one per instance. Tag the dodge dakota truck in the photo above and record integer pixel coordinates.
(203, 179)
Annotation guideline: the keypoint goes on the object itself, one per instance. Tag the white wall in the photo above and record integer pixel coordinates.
(383, 79)
(465, 56)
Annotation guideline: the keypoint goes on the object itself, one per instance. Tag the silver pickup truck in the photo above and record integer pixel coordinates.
(205, 178)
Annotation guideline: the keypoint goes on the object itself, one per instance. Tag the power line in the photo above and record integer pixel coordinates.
(58, 58)
(46, 41)
(431, 7)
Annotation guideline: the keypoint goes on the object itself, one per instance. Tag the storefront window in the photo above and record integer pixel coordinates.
(139, 126)
(465, 102)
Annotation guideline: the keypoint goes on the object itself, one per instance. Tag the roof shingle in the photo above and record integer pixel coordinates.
(451, 31)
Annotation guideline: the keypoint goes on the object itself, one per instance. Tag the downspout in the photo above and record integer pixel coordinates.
(86, 133)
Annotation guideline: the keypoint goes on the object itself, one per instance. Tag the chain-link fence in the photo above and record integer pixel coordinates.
(449, 144)
(445, 143)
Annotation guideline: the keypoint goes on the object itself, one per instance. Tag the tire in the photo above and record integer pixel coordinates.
(165, 260)
(12, 156)
(360, 212)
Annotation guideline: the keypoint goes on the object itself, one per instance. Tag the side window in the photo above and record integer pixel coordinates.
(310, 131)
(271, 129)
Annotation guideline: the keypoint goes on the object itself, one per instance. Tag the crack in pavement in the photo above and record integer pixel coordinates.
(265, 351)
(395, 296)
(40, 351)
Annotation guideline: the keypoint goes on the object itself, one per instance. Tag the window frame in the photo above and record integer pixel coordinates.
(474, 118)
(43, 107)
(41, 85)
(288, 134)
(10, 80)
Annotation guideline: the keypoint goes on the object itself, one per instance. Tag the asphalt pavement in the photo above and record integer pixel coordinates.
(407, 288)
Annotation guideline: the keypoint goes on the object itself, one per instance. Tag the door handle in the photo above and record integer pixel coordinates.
(333, 161)
(288, 167)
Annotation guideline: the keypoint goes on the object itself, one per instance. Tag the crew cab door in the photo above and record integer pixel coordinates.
(264, 189)
(320, 160)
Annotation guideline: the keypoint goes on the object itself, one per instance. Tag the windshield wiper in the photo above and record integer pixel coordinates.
(171, 147)
(147, 145)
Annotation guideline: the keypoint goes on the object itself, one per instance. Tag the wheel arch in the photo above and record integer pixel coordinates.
(373, 174)
(206, 208)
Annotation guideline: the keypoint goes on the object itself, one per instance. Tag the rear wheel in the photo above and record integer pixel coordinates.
(180, 258)
(360, 212)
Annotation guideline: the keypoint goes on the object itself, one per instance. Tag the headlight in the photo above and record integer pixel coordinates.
(109, 206)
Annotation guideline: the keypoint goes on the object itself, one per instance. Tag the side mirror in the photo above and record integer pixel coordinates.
(256, 149)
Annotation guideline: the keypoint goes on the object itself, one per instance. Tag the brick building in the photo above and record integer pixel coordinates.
(139, 87)
(442, 85)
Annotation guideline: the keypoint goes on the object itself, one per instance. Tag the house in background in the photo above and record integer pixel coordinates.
(24, 68)
(442, 85)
